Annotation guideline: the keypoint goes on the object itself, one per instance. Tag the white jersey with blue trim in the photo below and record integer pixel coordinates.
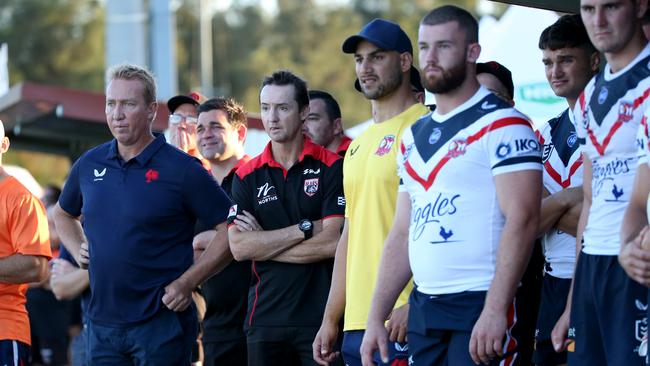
(562, 159)
(608, 115)
(447, 164)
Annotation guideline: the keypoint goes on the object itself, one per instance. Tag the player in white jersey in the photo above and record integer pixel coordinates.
(570, 60)
(608, 320)
(467, 210)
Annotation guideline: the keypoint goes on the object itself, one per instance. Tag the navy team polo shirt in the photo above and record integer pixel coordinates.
(139, 218)
(288, 294)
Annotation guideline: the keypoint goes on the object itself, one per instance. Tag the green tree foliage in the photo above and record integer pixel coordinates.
(57, 42)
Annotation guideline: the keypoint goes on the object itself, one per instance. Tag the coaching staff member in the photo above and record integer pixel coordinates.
(287, 219)
(140, 199)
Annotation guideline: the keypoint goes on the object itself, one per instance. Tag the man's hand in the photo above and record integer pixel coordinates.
(397, 324)
(375, 337)
(178, 295)
(247, 222)
(84, 257)
(486, 341)
(323, 346)
(560, 331)
(635, 260)
(180, 136)
(60, 267)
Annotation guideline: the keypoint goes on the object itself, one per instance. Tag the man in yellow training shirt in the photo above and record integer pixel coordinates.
(383, 58)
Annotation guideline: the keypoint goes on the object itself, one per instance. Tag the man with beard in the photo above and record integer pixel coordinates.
(608, 308)
(383, 57)
(570, 60)
(221, 132)
(467, 211)
(324, 125)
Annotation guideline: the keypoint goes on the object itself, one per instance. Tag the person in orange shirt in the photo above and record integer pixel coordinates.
(24, 254)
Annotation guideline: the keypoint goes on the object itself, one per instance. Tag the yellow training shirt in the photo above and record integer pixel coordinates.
(370, 184)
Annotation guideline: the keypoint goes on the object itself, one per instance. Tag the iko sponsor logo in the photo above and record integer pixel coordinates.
(264, 194)
(525, 145)
(503, 150)
(423, 216)
(99, 175)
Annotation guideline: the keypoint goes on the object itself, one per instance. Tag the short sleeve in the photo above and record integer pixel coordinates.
(333, 198)
(203, 196)
(513, 147)
(241, 197)
(71, 199)
(66, 256)
(28, 228)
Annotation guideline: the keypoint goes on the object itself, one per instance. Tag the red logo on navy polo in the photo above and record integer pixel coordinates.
(151, 175)
(311, 186)
(385, 145)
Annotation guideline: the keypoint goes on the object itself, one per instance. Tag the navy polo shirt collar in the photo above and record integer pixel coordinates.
(145, 155)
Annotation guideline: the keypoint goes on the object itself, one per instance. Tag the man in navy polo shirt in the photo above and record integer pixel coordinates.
(140, 199)
(287, 219)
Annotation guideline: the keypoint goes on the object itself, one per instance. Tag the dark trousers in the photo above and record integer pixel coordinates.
(165, 339)
(271, 346)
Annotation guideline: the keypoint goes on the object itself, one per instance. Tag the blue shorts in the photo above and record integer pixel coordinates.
(397, 352)
(554, 298)
(608, 314)
(165, 339)
(440, 328)
(14, 353)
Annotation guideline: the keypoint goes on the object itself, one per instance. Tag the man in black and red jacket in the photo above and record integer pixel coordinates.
(287, 219)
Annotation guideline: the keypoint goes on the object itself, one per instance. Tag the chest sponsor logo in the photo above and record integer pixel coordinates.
(385, 145)
(604, 178)
(151, 175)
(311, 186)
(457, 148)
(547, 150)
(311, 171)
(625, 111)
(266, 193)
(99, 175)
(572, 139)
(431, 214)
(602, 95)
(435, 136)
(521, 146)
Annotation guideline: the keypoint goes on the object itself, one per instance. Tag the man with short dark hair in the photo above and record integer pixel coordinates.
(140, 199)
(467, 211)
(221, 132)
(570, 61)
(608, 309)
(324, 125)
(287, 219)
(24, 254)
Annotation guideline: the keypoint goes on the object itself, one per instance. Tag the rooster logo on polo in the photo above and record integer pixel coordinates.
(151, 175)
(385, 145)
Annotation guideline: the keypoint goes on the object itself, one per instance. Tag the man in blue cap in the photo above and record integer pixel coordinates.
(383, 58)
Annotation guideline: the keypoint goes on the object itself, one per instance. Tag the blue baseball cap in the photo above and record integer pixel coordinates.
(388, 36)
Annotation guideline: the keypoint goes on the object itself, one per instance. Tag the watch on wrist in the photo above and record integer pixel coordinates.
(307, 228)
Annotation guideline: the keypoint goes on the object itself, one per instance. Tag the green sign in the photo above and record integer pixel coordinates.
(538, 93)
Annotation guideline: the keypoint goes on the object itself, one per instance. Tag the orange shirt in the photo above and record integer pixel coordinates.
(23, 229)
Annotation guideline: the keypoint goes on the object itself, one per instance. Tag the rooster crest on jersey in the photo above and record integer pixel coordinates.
(385, 145)
(625, 111)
